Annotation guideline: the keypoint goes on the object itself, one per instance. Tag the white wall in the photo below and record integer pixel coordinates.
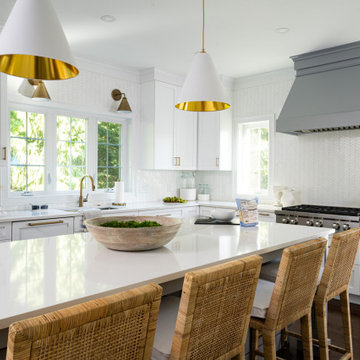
(90, 93)
(324, 168)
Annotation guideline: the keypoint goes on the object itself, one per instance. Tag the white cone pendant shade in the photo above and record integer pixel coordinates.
(33, 44)
(202, 89)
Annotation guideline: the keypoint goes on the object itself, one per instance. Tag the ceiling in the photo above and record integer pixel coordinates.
(240, 34)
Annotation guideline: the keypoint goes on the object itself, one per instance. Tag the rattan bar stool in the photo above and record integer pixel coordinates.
(335, 281)
(279, 304)
(211, 319)
(120, 326)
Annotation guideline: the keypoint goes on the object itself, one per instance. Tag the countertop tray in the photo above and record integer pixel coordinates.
(211, 221)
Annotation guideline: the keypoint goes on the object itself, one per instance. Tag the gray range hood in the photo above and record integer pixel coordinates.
(325, 95)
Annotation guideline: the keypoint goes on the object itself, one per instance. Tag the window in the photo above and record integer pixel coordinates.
(71, 152)
(253, 158)
(109, 154)
(49, 152)
(27, 149)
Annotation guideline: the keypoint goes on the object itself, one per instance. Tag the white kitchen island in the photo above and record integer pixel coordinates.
(41, 275)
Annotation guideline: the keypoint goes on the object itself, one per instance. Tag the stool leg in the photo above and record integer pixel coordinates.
(240, 356)
(284, 337)
(254, 343)
(346, 319)
(269, 344)
(321, 324)
(306, 334)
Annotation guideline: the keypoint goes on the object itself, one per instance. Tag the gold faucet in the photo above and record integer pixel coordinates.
(81, 201)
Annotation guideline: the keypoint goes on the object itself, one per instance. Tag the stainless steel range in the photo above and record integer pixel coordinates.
(338, 218)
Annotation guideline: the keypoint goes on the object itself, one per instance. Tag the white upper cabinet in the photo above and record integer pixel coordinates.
(4, 151)
(185, 138)
(168, 135)
(173, 139)
(215, 141)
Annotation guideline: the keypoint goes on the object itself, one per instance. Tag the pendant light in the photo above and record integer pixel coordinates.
(33, 44)
(202, 90)
(41, 93)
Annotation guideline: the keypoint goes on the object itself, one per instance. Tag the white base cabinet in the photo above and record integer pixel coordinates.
(22, 230)
(5, 231)
(354, 286)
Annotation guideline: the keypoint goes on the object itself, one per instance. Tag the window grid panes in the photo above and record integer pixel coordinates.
(71, 152)
(253, 158)
(27, 151)
(109, 154)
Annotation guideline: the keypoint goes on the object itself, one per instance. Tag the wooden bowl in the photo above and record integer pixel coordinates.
(136, 239)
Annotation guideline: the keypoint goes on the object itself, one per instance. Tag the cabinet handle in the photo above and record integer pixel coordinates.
(47, 223)
(264, 214)
(163, 215)
(217, 162)
(179, 160)
(3, 155)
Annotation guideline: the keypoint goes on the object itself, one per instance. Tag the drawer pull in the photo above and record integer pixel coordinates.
(264, 214)
(163, 215)
(47, 223)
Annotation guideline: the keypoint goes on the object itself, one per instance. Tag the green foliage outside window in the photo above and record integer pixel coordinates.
(71, 152)
(27, 151)
(109, 154)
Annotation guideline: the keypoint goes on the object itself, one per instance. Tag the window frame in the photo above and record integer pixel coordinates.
(120, 145)
(265, 196)
(50, 194)
(27, 138)
(87, 157)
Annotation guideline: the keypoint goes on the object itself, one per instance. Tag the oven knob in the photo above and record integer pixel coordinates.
(293, 221)
(285, 220)
(336, 226)
(318, 223)
(309, 223)
(346, 227)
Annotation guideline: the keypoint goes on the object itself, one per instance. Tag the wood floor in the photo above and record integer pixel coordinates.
(335, 331)
(335, 334)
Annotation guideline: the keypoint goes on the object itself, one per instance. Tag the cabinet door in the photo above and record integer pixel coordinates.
(5, 231)
(165, 96)
(4, 115)
(208, 141)
(176, 213)
(185, 139)
(354, 286)
(22, 230)
(191, 212)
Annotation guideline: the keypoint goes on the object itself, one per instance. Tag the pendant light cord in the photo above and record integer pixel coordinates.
(203, 28)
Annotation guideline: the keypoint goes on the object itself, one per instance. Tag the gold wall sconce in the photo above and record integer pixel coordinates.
(34, 89)
(124, 106)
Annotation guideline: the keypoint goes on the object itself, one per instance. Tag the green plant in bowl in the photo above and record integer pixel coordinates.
(130, 224)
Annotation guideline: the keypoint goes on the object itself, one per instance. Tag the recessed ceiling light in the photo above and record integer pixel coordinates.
(108, 18)
(282, 30)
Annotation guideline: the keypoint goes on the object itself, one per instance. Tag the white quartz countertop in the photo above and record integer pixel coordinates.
(41, 275)
(24, 215)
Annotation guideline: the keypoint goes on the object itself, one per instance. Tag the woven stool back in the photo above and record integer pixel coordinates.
(120, 326)
(215, 309)
(339, 264)
(295, 284)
